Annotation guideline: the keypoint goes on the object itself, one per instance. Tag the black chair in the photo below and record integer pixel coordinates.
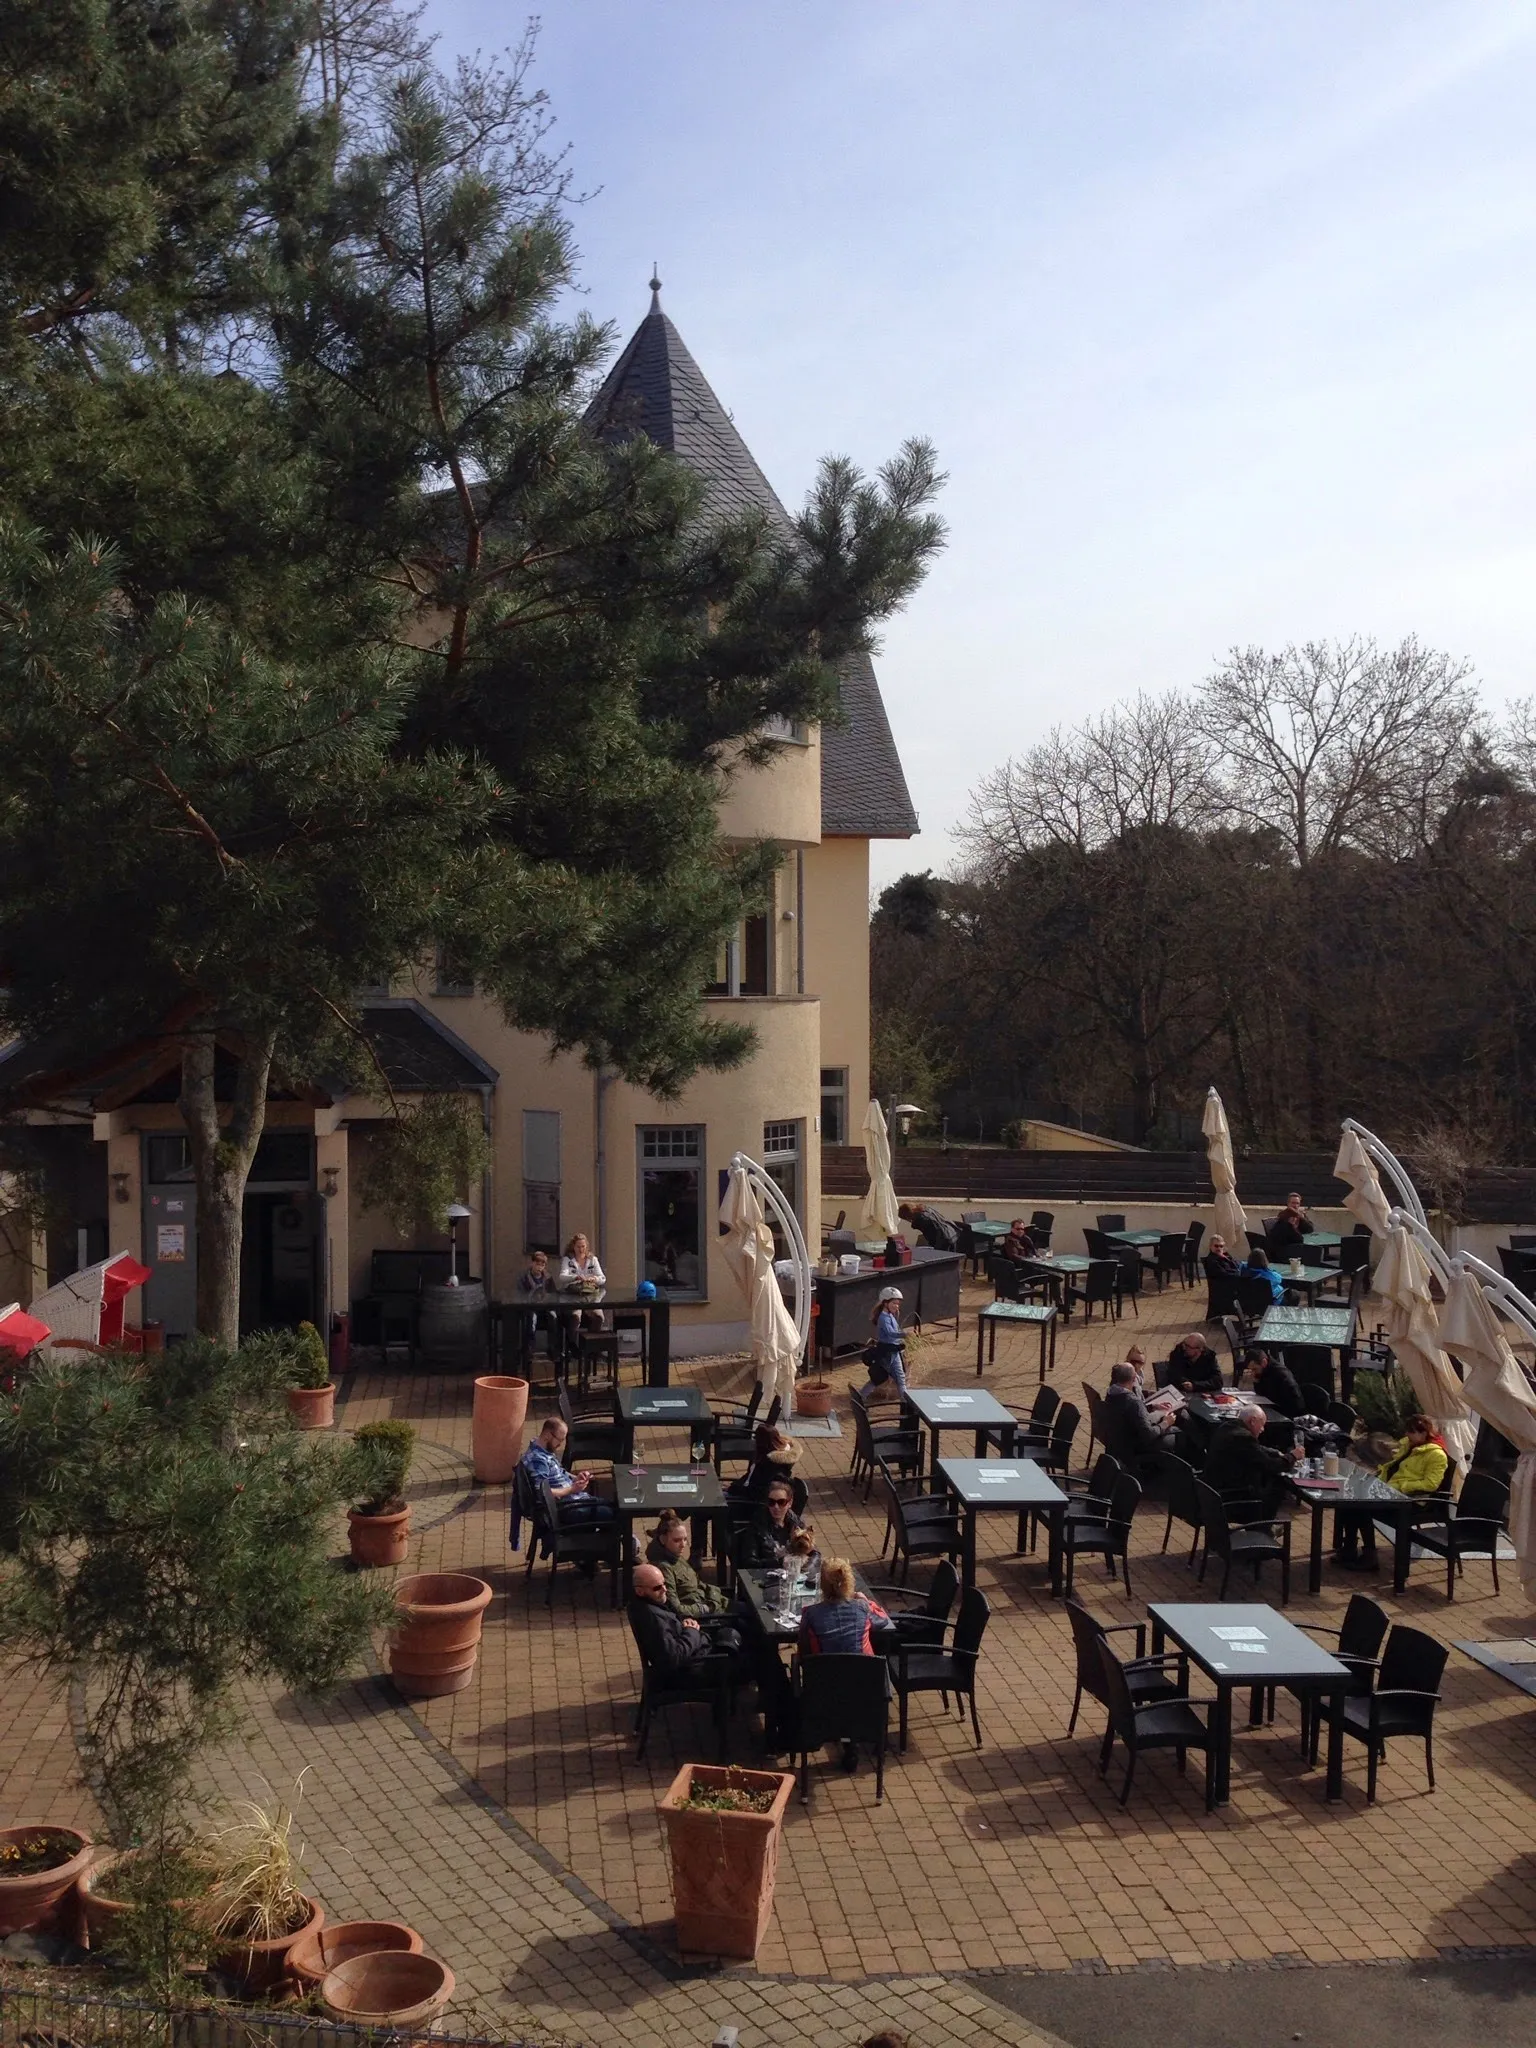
(1056, 1455)
(579, 1543)
(1041, 1225)
(1098, 1245)
(1192, 1239)
(1101, 1283)
(1183, 1501)
(923, 1620)
(1107, 1536)
(1042, 1413)
(731, 1431)
(1318, 1399)
(1258, 1241)
(1180, 1723)
(1472, 1528)
(1341, 1415)
(1255, 1298)
(1403, 1703)
(589, 1438)
(842, 1699)
(1356, 1643)
(1355, 1254)
(897, 1445)
(1014, 1281)
(705, 1682)
(1252, 1543)
(1110, 1223)
(1089, 1633)
(1232, 1330)
(1088, 1499)
(1220, 1295)
(1095, 1404)
(1168, 1257)
(918, 1523)
(1128, 1258)
(920, 1667)
(973, 1247)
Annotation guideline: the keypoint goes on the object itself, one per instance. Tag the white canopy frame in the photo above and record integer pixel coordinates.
(776, 1206)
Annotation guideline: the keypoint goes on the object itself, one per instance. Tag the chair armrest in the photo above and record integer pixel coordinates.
(1270, 1523)
(1316, 1628)
(911, 1593)
(1157, 1661)
(1120, 1628)
(1404, 1692)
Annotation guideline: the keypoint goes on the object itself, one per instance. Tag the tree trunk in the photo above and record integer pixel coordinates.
(221, 1165)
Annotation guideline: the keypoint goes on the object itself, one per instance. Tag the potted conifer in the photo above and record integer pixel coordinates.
(723, 1826)
(379, 1527)
(312, 1395)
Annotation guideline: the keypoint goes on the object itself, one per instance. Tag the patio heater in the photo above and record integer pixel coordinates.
(904, 1113)
(457, 1214)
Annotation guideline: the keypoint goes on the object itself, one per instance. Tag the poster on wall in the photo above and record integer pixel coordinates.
(171, 1243)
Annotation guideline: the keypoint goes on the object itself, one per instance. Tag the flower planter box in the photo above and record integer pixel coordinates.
(723, 1864)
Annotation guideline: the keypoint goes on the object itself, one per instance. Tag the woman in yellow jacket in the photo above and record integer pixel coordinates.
(1417, 1464)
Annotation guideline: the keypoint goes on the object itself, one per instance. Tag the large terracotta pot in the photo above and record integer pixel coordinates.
(437, 1639)
(100, 1907)
(496, 1432)
(259, 1965)
(388, 1991)
(379, 1539)
(27, 1901)
(813, 1397)
(313, 1407)
(313, 1956)
(723, 1864)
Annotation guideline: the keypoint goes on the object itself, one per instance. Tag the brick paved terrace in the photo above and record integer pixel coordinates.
(513, 1824)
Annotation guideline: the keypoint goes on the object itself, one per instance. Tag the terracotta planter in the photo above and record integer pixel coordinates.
(496, 1431)
(313, 1407)
(723, 1864)
(313, 1956)
(100, 1909)
(813, 1397)
(379, 1539)
(388, 1991)
(30, 1900)
(437, 1639)
(259, 1965)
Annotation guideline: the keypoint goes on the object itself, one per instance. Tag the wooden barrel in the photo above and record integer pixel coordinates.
(454, 1327)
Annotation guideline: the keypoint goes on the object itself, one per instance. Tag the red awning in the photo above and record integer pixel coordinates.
(21, 1333)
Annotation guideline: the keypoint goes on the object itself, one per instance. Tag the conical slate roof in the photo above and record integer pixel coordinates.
(656, 388)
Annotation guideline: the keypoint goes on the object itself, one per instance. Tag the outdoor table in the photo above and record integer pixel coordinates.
(986, 1228)
(1042, 1314)
(980, 1484)
(1331, 1327)
(694, 1491)
(1144, 1240)
(659, 1408)
(1055, 1267)
(518, 1311)
(942, 1408)
(768, 1610)
(1309, 1279)
(1357, 1488)
(1236, 1645)
(1512, 1658)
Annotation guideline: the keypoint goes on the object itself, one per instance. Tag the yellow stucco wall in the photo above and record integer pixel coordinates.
(837, 961)
(781, 801)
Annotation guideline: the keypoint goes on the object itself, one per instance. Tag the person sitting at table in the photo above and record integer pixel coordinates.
(760, 1546)
(580, 1266)
(1192, 1367)
(843, 1622)
(1018, 1244)
(936, 1231)
(1257, 1267)
(1273, 1381)
(1219, 1260)
(773, 1457)
(687, 1593)
(1290, 1229)
(537, 1280)
(1243, 1470)
(569, 1490)
(1417, 1463)
(671, 1641)
(1126, 1430)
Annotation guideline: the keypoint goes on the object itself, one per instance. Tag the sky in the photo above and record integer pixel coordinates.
(1221, 316)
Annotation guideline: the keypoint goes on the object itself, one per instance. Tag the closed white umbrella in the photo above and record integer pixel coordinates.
(1231, 1220)
(878, 1215)
(1414, 1332)
(1497, 1389)
(1365, 1200)
(748, 1247)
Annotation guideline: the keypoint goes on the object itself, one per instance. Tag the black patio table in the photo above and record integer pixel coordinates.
(982, 1485)
(519, 1310)
(694, 1491)
(1057, 1268)
(766, 1602)
(1357, 1488)
(658, 1408)
(1309, 1281)
(1254, 1646)
(942, 1408)
(1040, 1314)
(1144, 1240)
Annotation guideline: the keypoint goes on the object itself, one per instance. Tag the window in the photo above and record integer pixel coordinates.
(834, 1105)
(671, 1206)
(781, 1162)
(541, 1180)
(452, 979)
(744, 964)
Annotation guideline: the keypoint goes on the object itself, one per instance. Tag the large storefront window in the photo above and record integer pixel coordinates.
(672, 1206)
(781, 1161)
(834, 1105)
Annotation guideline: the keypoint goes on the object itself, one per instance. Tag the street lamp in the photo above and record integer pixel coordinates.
(457, 1214)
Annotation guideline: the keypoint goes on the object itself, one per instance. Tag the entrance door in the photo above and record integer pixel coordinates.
(277, 1259)
(280, 1277)
(170, 1236)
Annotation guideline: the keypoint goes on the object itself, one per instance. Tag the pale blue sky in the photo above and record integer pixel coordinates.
(1222, 315)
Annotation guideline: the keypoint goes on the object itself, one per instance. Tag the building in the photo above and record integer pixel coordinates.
(572, 1150)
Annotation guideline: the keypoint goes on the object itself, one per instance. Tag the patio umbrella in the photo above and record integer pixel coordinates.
(1497, 1389)
(748, 1248)
(1231, 1221)
(1414, 1332)
(1365, 1200)
(878, 1215)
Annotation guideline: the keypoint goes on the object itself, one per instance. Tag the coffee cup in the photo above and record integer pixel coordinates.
(1330, 1464)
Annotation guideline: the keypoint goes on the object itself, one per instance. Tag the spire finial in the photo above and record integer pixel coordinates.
(655, 290)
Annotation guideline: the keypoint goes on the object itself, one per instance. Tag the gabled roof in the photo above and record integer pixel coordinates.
(657, 389)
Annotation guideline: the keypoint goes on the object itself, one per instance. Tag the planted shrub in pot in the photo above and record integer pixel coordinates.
(312, 1395)
(257, 1903)
(147, 1908)
(723, 1826)
(379, 1526)
(39, 1864)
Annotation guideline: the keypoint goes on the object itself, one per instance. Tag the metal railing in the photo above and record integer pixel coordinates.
(46, 2016)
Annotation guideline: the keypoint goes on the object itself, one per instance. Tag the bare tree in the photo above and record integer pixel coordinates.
(1143, 764)
(352, 41)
